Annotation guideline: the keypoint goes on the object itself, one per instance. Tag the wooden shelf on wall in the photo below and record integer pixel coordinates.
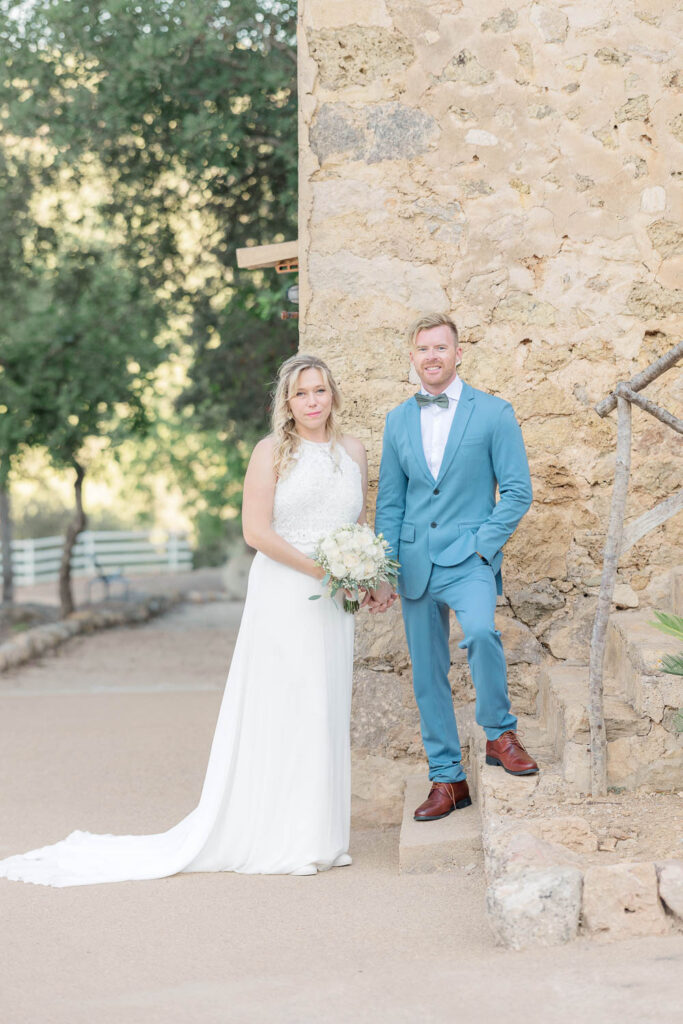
(284, 256)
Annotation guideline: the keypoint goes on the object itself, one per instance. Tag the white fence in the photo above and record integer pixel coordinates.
(37, 561)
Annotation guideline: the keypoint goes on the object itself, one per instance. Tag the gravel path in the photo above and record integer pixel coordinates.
(112, 734)
(159, 656)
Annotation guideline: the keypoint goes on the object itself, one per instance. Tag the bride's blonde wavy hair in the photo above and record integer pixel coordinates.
(283, 426)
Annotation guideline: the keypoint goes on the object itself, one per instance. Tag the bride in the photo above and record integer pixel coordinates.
(276, 796)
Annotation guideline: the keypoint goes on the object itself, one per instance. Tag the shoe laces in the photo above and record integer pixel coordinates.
(514, 738)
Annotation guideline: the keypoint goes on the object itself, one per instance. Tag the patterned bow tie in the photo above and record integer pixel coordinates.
(440, 400)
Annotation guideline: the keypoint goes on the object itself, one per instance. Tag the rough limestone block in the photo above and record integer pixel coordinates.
(531, 603)
(653, 200)
(670, 874)
(377, 786)
(620, 901)
(523, 688)
(573, 832)
(503, 793)
(576, 766)
(340, 13)
(384, 716)
(443, 845)
(625, 596)
(381, 638)
(550, 21)
(569, 635)
(653, 761)
(510, 852)
(357, 54)
(537, 908)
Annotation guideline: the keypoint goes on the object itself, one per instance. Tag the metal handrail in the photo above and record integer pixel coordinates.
(623, 397)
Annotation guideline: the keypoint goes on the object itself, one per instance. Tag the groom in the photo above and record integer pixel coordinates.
(445, 450)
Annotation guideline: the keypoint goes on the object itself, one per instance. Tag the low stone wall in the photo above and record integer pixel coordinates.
(39, 640)
(559, 865)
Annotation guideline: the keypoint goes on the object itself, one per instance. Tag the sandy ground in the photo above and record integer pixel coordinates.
(112, 734)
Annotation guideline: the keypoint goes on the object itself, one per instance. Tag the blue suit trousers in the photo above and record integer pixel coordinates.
(470, 590)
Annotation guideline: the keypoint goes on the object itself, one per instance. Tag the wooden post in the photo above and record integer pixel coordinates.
(172, 552)
(624, 391)
(643, 378)
(596, 717)
(6, 544)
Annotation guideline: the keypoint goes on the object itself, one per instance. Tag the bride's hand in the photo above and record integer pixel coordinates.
(381, 599)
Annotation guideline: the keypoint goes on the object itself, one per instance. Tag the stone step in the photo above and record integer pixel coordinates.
(499, 792)
(448, 844)
(534, 887)
(633, 667)
(531, 731)
(563, 708)
(639, 751)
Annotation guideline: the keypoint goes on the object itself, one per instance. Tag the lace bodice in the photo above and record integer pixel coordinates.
(321, 491)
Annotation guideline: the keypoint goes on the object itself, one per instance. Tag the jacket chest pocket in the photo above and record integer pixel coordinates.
(480, 441)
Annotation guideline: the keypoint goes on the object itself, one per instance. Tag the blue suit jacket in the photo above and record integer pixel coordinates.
(444, 521)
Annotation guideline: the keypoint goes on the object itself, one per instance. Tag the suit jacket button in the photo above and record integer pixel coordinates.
(433, 525)
(436, 490)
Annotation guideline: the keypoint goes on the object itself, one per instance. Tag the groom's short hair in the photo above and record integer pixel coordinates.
(423, 323)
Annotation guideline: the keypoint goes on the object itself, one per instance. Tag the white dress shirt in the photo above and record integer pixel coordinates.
(435, 425)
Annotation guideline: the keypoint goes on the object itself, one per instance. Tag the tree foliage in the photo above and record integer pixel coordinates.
(188, 109)
(74, 364)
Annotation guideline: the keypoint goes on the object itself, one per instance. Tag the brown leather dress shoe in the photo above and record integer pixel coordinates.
(508, 752)
(443, 798)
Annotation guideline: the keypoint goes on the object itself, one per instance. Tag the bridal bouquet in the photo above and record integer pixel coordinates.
(354, 559)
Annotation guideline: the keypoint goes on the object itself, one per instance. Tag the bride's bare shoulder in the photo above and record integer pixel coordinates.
(261, 460)
(354, 447)
(266, 446)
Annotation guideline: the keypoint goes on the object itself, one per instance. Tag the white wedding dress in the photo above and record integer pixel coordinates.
(276, 796)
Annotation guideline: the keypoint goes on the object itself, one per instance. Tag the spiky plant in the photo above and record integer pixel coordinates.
(672, 663)
(673, 625)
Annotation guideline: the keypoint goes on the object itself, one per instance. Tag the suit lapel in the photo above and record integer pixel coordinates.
(460, 420)
(415, 435)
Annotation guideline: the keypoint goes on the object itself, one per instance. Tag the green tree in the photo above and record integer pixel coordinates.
(20, 179)
(189, 111)
(75, 365)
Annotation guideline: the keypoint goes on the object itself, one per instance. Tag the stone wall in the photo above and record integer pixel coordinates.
(519, 166)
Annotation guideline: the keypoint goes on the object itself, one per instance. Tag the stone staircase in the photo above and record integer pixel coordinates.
(644, 746)
(541, 847)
